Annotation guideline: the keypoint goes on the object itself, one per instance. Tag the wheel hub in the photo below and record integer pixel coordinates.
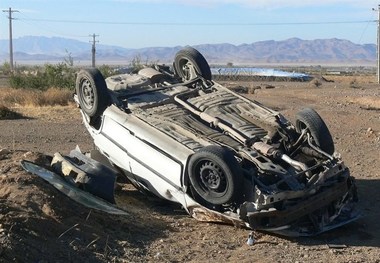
(211, 176)
(188, 70)
(88, 93)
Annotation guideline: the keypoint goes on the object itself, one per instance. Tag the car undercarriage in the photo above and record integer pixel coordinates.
(178, 134)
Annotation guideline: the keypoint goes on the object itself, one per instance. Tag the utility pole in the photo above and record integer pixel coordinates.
(93, 49)
(10, 11)
(378, 44)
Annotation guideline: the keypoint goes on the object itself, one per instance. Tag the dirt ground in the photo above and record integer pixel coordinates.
(39, 224)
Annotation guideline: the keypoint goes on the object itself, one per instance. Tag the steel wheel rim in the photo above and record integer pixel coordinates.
(212, 178)
(188, 69)
(88, 96)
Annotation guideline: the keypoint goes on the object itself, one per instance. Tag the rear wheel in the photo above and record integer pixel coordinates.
(215, 176)
(189, 63)
(92, 92)
(309, 119)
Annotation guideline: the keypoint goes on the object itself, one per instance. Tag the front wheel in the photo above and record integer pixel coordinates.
(309, 119)
(92, 92)
(189, 63)
(215, 176)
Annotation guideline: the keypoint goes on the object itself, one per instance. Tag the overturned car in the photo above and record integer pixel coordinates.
(180, 135)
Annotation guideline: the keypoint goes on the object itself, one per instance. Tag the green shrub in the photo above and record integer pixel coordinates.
(136, 64)
(60, 76)
(50, 76)
(106, 70)
(6, 68)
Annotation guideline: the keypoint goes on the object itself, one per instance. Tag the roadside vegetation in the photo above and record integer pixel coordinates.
(54, 84)
(47, 85)
(37, 85)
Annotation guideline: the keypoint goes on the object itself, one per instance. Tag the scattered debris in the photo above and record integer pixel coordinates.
(369, 131)
(251, 239)
(71, 190)
(337, 246)
(322, 79)
(68, 230)
(3, 153)
(253, 89)
(86, 173)
(250, 90)
(267, 86)
(315, 83)
(371, 108)
(240, 89)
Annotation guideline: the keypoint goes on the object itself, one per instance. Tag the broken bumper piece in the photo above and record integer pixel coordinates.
(328, 209)
(86, 173)
(71, 190)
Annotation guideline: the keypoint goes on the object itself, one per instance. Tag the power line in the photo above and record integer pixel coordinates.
(46, 27)
(365, 29)
(197, 24)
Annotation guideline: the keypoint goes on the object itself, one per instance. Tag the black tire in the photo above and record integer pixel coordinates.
(189, 63)
(92, 92)
(309, 119)
(215, 176)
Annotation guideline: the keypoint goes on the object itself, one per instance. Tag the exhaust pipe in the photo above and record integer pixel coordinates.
(270, 151)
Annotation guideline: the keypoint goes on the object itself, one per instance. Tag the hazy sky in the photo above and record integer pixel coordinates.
(145, 23)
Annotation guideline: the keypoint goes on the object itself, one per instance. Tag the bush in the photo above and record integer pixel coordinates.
(51, 76)
(60, 76)
(106, 71)
(136, 64)
(23, 81)
(6, 68)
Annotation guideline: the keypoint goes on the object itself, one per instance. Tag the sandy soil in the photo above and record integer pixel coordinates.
(39, 224)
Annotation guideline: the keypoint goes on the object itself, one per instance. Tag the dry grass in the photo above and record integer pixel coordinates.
(22, 97)
(49, 113)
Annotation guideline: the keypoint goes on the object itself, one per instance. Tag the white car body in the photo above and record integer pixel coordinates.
(222, 156)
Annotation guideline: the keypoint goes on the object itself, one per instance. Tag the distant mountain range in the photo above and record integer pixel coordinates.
(324, 51)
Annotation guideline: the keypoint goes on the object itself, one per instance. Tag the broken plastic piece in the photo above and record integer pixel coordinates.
(87, 174)
(71, 190)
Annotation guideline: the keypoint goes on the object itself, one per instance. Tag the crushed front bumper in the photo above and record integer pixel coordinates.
(330, 207)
